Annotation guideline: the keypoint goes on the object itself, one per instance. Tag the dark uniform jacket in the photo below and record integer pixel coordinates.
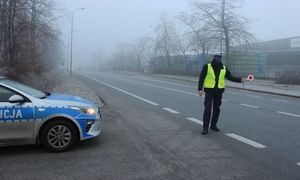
(217, 68)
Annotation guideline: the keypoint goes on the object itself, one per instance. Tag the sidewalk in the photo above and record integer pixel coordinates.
(266, 86)
(72, 86)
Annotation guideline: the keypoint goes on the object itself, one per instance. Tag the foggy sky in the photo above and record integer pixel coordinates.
(105, 23)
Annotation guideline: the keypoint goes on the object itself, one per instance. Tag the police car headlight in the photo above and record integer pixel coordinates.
(86, 110)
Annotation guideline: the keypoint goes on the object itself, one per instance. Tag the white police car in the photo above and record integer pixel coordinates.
(57, 121)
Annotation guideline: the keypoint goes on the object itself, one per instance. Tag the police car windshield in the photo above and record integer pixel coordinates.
(26, 89)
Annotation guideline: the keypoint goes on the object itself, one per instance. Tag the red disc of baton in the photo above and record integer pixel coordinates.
(250, 77)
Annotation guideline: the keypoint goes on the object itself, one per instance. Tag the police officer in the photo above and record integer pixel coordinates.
(212, 79)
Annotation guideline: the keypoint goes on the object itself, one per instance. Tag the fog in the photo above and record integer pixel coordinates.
(105, 23)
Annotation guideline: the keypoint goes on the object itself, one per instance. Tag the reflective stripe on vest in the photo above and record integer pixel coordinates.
(210, 79)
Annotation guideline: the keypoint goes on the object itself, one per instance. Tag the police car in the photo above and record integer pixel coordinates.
(57, 121)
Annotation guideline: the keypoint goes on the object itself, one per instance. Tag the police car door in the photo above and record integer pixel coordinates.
(16, 119)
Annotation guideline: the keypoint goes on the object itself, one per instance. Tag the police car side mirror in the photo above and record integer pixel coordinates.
(16, 99)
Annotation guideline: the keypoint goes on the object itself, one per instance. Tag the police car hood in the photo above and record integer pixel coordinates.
(67, 100)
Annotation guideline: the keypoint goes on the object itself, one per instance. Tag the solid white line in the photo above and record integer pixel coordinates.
(170, 89)
(247, 141)
(123, 91)
(255, 96)
(162, 87)
(166, 82)
(279, 100)
(197, 121)
(289, 114)
(250, 106)
(171, 110)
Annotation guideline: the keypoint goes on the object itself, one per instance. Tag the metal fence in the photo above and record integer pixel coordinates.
(191, 65)
(281, 66)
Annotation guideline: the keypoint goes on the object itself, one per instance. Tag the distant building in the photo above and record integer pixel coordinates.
(279, 59)
(276, 59)
(283, 55)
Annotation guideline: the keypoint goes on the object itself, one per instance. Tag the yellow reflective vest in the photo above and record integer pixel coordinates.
(210, 79)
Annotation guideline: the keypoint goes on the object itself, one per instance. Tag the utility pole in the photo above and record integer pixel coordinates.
(222, 26)
(71, 47)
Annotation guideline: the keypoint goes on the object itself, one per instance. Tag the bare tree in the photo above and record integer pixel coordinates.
(141, 47)
(123, 58)
(97, 60)
(220, 16)
(26, 36)
(165, 41)
(182, 43)
(200, 37)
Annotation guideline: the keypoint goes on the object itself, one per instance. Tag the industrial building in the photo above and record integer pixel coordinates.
(276, 59)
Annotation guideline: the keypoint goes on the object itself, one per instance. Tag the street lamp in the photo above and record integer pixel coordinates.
(222, 26)
(71, 50)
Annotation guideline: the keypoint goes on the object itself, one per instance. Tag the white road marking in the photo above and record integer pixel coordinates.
(224, 100)
(255, 96)
(161, 87)
(247, 141)
(250, 106)
(171, 110)
(298, 163)
(279, 100)
(197, 121)
(170, 89)
(123, 91)
(289, 114)
(166, 82)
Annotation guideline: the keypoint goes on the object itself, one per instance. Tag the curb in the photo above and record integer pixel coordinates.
(266, 92)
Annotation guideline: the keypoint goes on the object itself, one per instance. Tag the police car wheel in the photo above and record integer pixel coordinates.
(58, 136)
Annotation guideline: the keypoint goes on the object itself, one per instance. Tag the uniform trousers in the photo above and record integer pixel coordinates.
(213, 101)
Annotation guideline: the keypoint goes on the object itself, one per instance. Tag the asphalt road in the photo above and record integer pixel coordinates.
(152, 130)
(259, 135)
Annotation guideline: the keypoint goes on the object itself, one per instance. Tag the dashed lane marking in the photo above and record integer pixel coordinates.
(250, 106)
(288, 114)
(171, 110)
(298, 163)
(123, 91)
(279, 100)
(197, 121)
(247, 141)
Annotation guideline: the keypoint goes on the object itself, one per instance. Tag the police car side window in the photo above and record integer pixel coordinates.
(5, 94)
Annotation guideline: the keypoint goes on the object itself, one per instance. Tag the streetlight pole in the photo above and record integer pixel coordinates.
(71, 48)
(222, 24)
